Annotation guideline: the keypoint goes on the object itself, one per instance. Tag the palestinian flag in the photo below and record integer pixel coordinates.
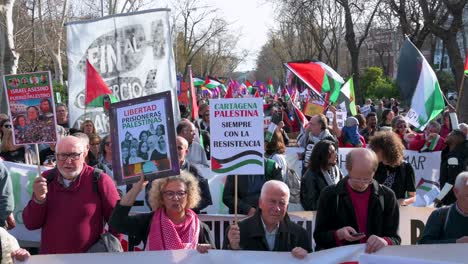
(426, 185)
(249, 87)
(318, 76)
(345, 95)
(270, 86)
(419, 87)
(211, 84)
(239, 160)
(97, 93)
(198, 82)
(466, 63)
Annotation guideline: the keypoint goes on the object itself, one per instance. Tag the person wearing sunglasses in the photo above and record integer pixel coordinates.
(67, 203)
(8, 150)
(172, 224)
(357, 209)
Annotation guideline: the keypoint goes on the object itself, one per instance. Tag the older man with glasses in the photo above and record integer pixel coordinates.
(71, 203)
(357, 209)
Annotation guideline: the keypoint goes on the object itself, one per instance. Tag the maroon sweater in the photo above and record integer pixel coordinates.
(72, 218)
(360, 201)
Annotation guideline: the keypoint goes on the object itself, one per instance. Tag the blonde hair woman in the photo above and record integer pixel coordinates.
(172, 224)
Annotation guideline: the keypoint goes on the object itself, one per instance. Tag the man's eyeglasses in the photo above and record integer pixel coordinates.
(107, 143)
(171, 195)
(65, 156)
(363, 181)
(6, 126)
(180, 148)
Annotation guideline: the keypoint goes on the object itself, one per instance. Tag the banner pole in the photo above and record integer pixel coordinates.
(460, 93)
(235, 199)
(38, 160)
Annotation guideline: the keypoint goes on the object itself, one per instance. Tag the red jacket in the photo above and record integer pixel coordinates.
(419, 141)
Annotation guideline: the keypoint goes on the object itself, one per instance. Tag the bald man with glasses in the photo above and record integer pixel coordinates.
(70, 204)
(357, 209)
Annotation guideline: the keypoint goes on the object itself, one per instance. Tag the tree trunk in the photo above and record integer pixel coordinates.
(8, 56)
(49, 48)
(356, 75)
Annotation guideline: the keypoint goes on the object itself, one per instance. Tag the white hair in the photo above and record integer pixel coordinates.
(274, 183)
(461, 180)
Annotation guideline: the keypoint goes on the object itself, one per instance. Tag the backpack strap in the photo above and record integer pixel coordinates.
(443, 217)
(96, 176)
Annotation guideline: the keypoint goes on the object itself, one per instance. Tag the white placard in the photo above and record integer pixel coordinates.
(237, 136)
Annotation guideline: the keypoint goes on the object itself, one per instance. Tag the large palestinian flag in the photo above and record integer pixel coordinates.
(418, 85)
(318, 76)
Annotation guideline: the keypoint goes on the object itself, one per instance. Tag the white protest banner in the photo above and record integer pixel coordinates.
(412, 223)
(365, 109)
(430, 254)
(237, 136)
(31, 105)
(336, 255)
(426, 165)
(340, 117)
(440, 254)
(132, 53)
(412, 117)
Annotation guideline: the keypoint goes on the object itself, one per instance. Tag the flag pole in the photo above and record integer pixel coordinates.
(235, 199)
(86, 88)
(460, 92)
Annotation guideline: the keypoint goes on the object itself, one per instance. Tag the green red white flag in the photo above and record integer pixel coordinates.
(419, 86)
(97, 90)
(345, 95)
(270, 85)
(318, 76)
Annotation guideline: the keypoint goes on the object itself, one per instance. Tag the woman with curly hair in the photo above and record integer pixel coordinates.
(393, 171)
(172, 224)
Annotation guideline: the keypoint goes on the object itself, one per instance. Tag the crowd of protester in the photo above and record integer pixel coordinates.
(360, 207)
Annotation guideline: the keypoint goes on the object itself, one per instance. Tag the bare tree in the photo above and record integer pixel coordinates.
(199, 25)
(444, 18)
(55, 26)
(357, 18)
(8, 55)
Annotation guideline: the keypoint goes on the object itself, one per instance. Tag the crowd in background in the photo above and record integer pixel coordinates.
(379, 180)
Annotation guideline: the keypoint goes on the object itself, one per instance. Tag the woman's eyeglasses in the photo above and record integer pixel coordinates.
(171, 195)
(6, 126)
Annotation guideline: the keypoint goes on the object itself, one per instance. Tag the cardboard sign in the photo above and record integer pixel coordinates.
(31, 105)
(143, 138)
(314, 107)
